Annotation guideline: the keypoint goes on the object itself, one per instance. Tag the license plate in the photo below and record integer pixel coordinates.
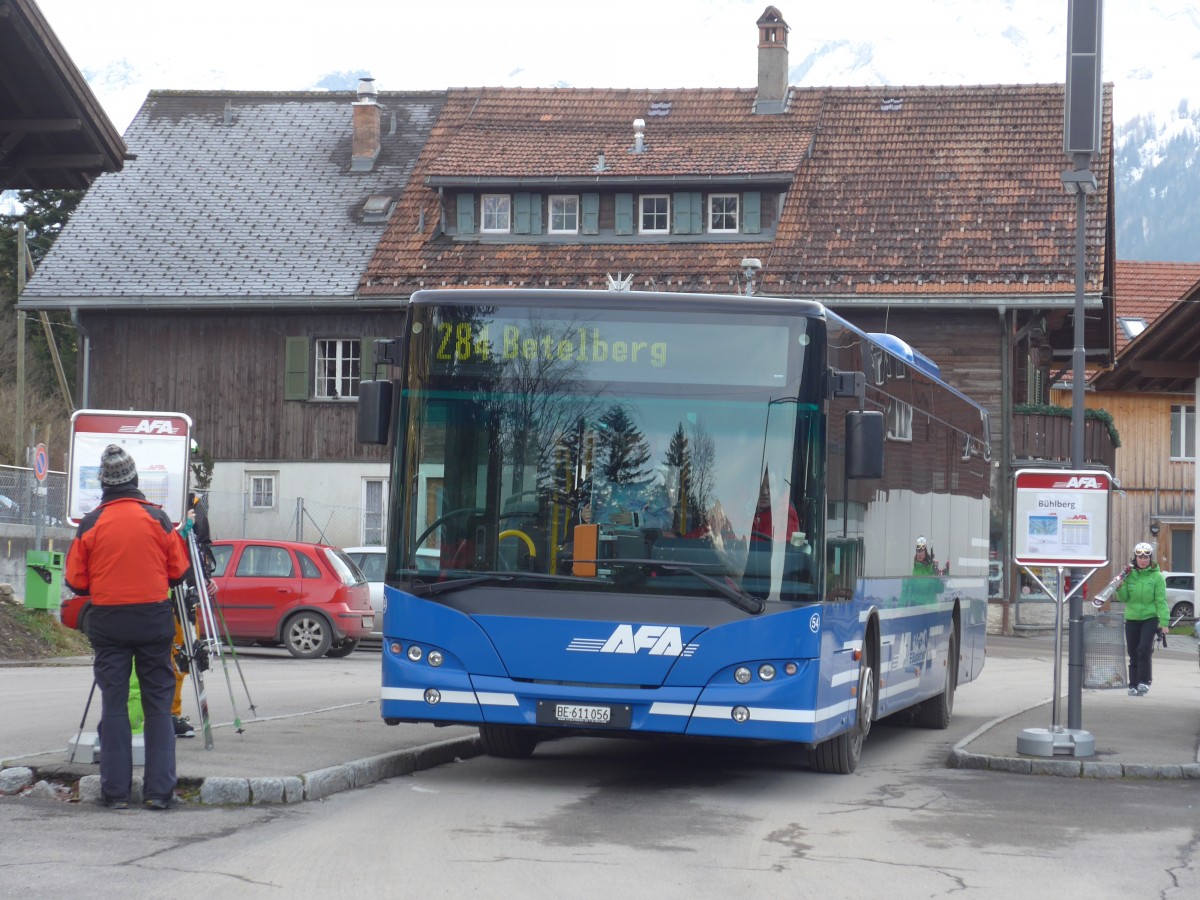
(583, 715)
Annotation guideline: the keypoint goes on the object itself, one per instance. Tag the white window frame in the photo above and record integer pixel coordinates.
(495, 213)
(665, 213)
(374, 521)
(262, 491)
(565, 207)
(726, 213)
(338, 368)
(1183, 432)
(899, 420)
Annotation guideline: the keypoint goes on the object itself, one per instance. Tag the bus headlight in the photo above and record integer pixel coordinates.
(435, 658)
(433, 696)
(414, 653)
(766, 672)
(741, 675)
(740, 714)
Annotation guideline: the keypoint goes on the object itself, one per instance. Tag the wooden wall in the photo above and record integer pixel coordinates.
(226, 371)
(1152, 484)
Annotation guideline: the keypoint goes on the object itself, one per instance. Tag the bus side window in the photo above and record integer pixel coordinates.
(843, 564)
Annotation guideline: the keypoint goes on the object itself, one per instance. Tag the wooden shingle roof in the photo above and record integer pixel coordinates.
(235, 196)
(931, 195)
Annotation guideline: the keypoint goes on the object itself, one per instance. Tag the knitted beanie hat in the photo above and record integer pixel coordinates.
(116, 466)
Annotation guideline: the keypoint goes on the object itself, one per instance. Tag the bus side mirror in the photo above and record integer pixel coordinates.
(864, 444)
(374, 412)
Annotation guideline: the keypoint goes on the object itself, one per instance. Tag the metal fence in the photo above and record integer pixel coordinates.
(22, 503)
(230, 513)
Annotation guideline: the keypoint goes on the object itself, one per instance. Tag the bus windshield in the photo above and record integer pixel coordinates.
(623, 450)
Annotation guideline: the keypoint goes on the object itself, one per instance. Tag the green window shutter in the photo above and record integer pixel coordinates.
(688, 213)
(590, 209)
(681, 212)
(624, 214)
(535, 214)
(521, 213)
(752, 212)
(466, 214)
(296, 381)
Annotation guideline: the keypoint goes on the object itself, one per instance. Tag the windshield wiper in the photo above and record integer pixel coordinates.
(426, 589)
(739, 598)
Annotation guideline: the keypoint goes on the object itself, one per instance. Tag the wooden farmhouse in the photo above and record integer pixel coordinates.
(1151, 393)
(234, 269)
(218, 276)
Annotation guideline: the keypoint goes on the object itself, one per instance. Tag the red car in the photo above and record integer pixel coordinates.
(309, 597)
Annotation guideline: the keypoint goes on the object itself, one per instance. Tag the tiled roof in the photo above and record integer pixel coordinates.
(548, 133)
(923, 191)
(261, 206)
(1146, 290)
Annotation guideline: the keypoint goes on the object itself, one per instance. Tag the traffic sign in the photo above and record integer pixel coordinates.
(41, 462)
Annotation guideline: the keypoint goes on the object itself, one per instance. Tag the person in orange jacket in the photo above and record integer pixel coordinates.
(126, 556)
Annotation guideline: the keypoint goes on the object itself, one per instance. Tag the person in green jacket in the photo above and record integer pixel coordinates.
(925, 585)
(1144, 593)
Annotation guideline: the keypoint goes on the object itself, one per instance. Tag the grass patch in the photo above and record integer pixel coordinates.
(36, 633)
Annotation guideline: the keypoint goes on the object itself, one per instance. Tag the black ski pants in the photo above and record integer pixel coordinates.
(1139, 641)
(123, 636)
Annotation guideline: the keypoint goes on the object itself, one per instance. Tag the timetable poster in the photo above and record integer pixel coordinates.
(159, 442)
(1061, 518)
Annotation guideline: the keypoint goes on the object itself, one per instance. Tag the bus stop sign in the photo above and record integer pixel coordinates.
(1061, 517)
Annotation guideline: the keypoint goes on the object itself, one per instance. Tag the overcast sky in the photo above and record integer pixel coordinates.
(126, 48)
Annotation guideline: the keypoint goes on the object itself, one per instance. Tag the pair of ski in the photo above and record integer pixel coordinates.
(199, 652)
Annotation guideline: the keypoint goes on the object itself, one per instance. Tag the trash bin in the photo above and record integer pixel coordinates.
(43, 579)
(1104, 650)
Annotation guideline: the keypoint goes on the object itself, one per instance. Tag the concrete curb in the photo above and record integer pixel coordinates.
(961, 758)
(315, 785)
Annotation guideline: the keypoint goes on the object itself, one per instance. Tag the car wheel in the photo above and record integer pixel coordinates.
(307, 635)
(345, 648)
(1182, 609)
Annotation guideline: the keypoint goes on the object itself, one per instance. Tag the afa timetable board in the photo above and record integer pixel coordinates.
(1060, 517)
(159, 442)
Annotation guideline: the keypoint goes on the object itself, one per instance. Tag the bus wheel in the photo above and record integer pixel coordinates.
(839, 755)
(937, 711)
(508, 742)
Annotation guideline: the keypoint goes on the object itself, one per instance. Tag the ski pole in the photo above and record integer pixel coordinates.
(210, 624)
(86, 707)
(236, 662)
(190, 651)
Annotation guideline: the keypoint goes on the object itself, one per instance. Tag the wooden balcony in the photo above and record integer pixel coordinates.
(1045, 437)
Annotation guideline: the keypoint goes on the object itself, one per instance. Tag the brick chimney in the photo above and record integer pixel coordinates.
(365, 149)
(772, 63)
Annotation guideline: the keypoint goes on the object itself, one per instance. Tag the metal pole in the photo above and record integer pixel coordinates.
(1079, 374)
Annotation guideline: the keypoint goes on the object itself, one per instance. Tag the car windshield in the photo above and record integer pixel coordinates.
(630, 450)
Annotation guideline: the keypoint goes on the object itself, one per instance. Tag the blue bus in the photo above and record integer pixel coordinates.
(650, 514)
